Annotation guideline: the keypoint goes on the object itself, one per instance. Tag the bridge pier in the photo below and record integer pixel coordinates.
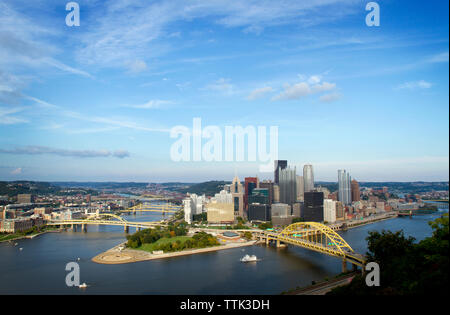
(344, 265)
(126, 229)
(84, 227)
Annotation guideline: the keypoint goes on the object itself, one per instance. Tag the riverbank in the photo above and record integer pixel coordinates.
(116, 255)
(31, 236)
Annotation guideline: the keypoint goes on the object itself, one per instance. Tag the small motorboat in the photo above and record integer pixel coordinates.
(249, 258)
(78, 259)
(83, 285)
(21, 248)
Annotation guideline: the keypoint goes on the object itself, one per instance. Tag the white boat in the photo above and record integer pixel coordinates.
(248, 258)
(83, 285)
(21, 248)
(78, 259)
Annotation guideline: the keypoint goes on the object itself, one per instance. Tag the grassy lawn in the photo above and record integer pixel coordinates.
(150, 247)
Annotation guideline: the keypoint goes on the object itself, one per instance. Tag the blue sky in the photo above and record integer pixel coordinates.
(97, 102)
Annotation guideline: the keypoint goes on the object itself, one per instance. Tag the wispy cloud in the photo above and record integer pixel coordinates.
(7, 119)
(299, 90)
(151, 104)
(222, 86)
(413, 85)
(258, 93)
(39, 150)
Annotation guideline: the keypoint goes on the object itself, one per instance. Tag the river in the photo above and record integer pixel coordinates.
(40, 267)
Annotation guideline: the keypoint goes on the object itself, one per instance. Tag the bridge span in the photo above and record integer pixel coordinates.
(317, 237)
(107, 219)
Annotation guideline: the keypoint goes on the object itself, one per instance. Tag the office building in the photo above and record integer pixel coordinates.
(250, 183)
(259, 212)
(279, 164)
(356, 195)
(344, 194)
(329, 211)
(340, 211)
(280, 210)
(300, 188)
(308, 177)
(269, 186)
(222, 213)
(276, 193)
(259, 195)
(237, 192)
(288, 186)
(313, 209)
(223, 197)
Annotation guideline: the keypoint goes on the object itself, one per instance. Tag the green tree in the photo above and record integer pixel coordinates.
(406, 267)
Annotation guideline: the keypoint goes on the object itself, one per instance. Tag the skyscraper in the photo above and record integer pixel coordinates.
(308, 177)
(269, 185)
(345, 195)
(356, 195)
(313, 208)
(237, 191)
(300, 188)
(250, 184)
(279, 164)
(288, 186)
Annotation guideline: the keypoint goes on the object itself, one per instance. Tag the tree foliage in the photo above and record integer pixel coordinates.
(406, 267)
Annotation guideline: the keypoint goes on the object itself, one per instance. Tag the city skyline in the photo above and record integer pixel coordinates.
(97, 102)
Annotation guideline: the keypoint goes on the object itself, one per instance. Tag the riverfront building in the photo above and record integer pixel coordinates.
(313, 210)
(220, 212)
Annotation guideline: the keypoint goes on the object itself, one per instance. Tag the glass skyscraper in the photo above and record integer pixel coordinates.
(288, 186)
(345, 192)
(308, 177)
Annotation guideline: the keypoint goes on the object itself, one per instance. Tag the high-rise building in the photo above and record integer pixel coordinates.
(276, 193)
(300, 188)
(356, 195)
(340, 211)
(279, 164)
(313, 206)
(308, 177)
(220, 212)
(250, 184)
(237, 191)
(345, 195)
(269, 186)
(288, 186)
(258, 212)
(259, 195)
(329, 210)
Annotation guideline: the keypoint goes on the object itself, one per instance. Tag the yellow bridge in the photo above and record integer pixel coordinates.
(164, 208)
(317, 237)
(106, 219)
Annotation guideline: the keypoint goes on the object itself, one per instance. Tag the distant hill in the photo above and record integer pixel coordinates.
(208, 188)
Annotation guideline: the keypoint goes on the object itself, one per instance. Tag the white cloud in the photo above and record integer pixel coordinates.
(302, 89)
(222, 85)
(258, 93)
(414, 85)
(17, 171)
